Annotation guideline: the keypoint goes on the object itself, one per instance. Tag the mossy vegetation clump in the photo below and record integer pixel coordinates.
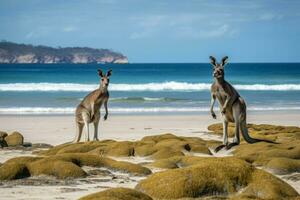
(280, 134)
(117, 194)
(283, 165)
(280, 158)
(64, 166)
(222, 177)
(156, 147)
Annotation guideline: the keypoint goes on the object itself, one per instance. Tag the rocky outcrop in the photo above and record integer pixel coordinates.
(21, 53)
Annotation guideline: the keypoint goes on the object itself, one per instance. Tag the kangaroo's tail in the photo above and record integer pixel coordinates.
(243, 126)
(247, 137)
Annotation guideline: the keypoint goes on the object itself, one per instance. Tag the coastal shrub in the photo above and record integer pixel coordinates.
(117, 194)
(217, 177)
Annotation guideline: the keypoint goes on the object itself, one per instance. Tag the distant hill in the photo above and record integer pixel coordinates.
(22, 53)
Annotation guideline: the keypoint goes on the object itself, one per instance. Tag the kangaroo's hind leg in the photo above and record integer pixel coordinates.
(96, 123)
(236, 140)
(79, 127)
(86, 119)
(225, 136)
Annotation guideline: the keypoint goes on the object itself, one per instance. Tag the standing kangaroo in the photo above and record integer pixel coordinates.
(232, 106)
(88, 111)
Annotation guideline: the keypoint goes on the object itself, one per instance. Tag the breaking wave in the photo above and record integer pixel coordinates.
(164, 86)
(71, 110)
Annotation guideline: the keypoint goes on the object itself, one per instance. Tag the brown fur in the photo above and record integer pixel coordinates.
(88, 111)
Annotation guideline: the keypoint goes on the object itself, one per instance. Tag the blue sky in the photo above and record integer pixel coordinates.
(161, 30)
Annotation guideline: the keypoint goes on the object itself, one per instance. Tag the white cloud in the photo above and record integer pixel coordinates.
(69, 29)
(184, 26)
(270, 16)
(212, 32)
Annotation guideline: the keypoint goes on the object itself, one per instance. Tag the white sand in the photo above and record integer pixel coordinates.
(60, 129)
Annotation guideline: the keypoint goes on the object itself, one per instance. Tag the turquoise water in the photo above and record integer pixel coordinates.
(144, 88)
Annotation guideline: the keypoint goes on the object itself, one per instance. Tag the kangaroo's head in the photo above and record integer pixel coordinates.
(218, 71)
(104, 82)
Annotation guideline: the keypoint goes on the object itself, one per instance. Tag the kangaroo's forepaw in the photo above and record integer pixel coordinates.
(218, 148)
(229, 146)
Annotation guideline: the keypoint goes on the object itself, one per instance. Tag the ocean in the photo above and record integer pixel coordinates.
(145, 88)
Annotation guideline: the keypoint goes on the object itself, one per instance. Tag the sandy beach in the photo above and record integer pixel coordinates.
(60, 129)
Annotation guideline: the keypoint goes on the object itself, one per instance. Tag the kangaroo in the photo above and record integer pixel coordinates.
(88, 111)
(232, 106)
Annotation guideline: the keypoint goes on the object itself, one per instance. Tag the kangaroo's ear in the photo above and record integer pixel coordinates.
(213, 60)
(100, 73)
(224, 61)
(109, 73)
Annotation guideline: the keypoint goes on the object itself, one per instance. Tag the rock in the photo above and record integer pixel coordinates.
(2, 141)
(27, 144)
(14, 139)
(214, 177)
(3, 134)
(117, 194)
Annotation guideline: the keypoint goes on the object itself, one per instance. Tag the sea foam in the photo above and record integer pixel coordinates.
(71, 110)
(164, 86)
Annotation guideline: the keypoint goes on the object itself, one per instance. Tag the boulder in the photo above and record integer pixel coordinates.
(2, 141)
(14, 139)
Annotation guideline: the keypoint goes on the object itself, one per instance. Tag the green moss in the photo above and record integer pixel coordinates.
(221, 177)
(263, 185)
(121, 149)
(261, 153)
(158, 138)
(13, 170)
(283, 165)
(117, 194)
(66, 165)
(144, 148)
(158, 147)
(178, 162)
(166, 153)
(58, 168)
(279, 134)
